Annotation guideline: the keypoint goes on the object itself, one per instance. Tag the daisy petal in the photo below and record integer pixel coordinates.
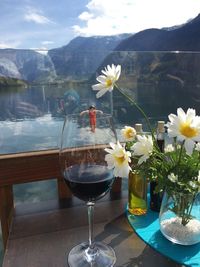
(97, 87)
(101, 92)
(189, 145)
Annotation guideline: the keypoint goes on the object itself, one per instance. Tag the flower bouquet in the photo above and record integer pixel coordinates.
(176, 171)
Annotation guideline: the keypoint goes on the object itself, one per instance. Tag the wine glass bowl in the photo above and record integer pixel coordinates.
(84, 169)
(80, 179)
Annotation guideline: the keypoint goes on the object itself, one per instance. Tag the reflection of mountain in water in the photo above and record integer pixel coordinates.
(38, 100)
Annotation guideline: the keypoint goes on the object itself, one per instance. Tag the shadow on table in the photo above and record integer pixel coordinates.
(119, 228)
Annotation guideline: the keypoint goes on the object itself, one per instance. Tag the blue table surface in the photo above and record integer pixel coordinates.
(147, 228)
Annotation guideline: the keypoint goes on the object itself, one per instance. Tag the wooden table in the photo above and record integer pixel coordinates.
(42, 234)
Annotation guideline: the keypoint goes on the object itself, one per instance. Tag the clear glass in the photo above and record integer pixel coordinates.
(82, 160)
(179, 218)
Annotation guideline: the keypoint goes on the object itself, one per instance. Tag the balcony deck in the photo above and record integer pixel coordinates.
(42, 234)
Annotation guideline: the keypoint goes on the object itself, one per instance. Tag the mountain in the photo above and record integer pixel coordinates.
(76, 60)
(184, 38)
(26, 64)
(83, 55)
(12, 82)
(152, 77)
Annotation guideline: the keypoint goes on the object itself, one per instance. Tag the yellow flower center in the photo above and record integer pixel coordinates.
(129, 133)
(120, 160)
(108, 82)
(187, 130)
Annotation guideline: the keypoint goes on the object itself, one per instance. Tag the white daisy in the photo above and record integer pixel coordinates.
(186, 127)
(118, 159)
(169, 148)
(108, 80)
(197, 148)
(193, 184)
(129, 133)
(172, 177)
(143, 147)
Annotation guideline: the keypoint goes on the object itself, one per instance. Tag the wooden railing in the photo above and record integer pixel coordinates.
(29, 167)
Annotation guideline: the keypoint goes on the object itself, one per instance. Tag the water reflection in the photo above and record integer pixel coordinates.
(31, 119)
(36, 101)
(29, 134)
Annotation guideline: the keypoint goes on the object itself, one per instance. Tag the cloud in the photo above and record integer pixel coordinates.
(13, 44)
(85, 16)
(43, 51)
(36, 16)
(47, 42)
(104, 17)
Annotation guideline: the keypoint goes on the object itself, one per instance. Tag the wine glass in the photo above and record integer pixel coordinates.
(83, 166)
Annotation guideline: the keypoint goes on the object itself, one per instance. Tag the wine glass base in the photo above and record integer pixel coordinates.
(101, 256)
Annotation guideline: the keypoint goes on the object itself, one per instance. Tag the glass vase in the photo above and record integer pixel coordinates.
(179, 218)
(137, 194)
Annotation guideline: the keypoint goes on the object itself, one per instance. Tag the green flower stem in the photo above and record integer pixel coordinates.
(191, 205)
(140, 109)
(180, 154)
(183, 206)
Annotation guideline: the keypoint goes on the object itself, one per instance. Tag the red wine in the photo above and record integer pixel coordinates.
(88, 182)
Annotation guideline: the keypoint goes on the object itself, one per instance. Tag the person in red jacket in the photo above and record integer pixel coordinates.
(92, 111)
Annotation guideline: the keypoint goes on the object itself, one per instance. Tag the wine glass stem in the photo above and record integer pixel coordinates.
(91, 223)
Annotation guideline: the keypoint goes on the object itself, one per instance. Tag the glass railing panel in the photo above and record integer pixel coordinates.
(32, 109)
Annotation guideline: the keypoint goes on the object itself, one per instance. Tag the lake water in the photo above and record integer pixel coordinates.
(29, 134)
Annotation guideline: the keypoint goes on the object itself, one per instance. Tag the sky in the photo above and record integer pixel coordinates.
(47, 24)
